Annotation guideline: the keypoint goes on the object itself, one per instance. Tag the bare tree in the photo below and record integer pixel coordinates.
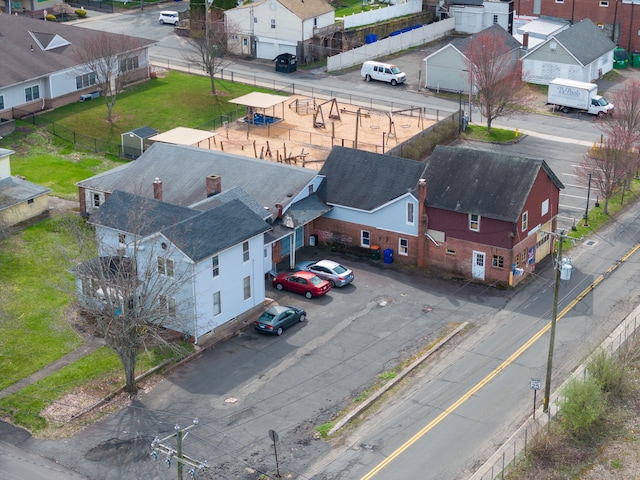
(133, 292)
(495, 72)
(609, 165)
(111, 61)
(626, 120)
(209, 43)
(625, 123)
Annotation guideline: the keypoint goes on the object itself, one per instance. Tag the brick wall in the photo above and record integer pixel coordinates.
(334, 231)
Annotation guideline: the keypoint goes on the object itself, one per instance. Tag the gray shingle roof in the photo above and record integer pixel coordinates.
(365, 180)
(215, 230)
(489, 184)
(198, 234)
(144, 132)
(14, 190)
(18, 33)
(234, 193)
(585, 41)
(138, 215)
(183, 171)
(462, 44)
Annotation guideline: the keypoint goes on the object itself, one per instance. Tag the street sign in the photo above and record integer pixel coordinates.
(535, 384)
(273, 435)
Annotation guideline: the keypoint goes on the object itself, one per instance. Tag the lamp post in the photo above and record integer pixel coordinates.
(586, 210)
(552, 331)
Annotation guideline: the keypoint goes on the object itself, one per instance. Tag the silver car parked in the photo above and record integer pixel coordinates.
(336, 274)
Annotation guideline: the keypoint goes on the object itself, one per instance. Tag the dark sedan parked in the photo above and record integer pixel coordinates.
(277, 318)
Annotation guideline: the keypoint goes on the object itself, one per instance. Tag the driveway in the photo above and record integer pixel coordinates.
(244, 387)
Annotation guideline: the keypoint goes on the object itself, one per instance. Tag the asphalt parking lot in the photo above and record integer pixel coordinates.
(243, 387)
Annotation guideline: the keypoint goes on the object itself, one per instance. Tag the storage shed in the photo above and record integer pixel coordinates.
(133, 141)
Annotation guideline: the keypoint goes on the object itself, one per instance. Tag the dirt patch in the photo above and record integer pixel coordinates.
(308, 128)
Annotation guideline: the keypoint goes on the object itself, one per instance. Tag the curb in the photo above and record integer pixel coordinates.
(369, 401)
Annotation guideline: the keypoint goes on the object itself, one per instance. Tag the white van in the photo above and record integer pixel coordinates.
(384, 72)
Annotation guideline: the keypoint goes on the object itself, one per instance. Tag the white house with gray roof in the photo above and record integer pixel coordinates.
(40, 69)
(284, 196)
(214, 256)
(447, 68)
(582, 52)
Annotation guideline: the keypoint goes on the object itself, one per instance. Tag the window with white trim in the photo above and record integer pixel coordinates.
(86, 80)
(168, 305)
(403, 246)
(604, 4)
(217, 305)
(525, 221)
(1, 102)
(128, 64)
(410, 213)
(498, 261)
(215, 266)
(474, 222)
(365, 238)
(122, 239)
(273, 23)
(495, 19)
(245, 251)
(545, 208)
(246, 285)
(165, 266)
(32, 93)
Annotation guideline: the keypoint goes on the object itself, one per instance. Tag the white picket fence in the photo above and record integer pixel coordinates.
(389, 45)
(382, 14)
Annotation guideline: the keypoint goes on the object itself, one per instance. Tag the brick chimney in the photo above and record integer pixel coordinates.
(423, 223)
(157, 189)
(525, 40)
(214, 185)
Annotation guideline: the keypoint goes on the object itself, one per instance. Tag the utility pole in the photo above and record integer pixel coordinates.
(176, 454)
(552, 334)
(586, 210)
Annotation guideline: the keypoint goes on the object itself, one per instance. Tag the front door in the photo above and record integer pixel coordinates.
(477, 268)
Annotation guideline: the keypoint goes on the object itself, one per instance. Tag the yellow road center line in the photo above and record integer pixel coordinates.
(445, 413)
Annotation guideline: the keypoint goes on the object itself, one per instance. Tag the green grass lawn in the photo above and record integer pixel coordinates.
(36, 289)
(177, 100)
(34, 294)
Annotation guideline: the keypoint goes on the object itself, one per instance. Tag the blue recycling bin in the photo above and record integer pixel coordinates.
(388, 255)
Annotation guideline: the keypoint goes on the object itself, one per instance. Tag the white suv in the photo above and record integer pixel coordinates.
(169, 17)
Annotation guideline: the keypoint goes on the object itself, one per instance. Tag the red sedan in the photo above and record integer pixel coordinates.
(302, 282)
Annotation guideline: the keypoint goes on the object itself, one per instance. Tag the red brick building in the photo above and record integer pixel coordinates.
(619, 19)
(468, 213)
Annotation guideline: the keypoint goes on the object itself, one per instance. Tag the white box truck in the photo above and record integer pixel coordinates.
(567, 95)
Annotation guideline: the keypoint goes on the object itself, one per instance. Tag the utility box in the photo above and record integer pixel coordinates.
(636, 59)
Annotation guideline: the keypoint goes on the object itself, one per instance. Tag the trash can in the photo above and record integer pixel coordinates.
(375, 252)
(388, 255)
(636, 59)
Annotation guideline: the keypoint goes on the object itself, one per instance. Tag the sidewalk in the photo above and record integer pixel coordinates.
(90, 345)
